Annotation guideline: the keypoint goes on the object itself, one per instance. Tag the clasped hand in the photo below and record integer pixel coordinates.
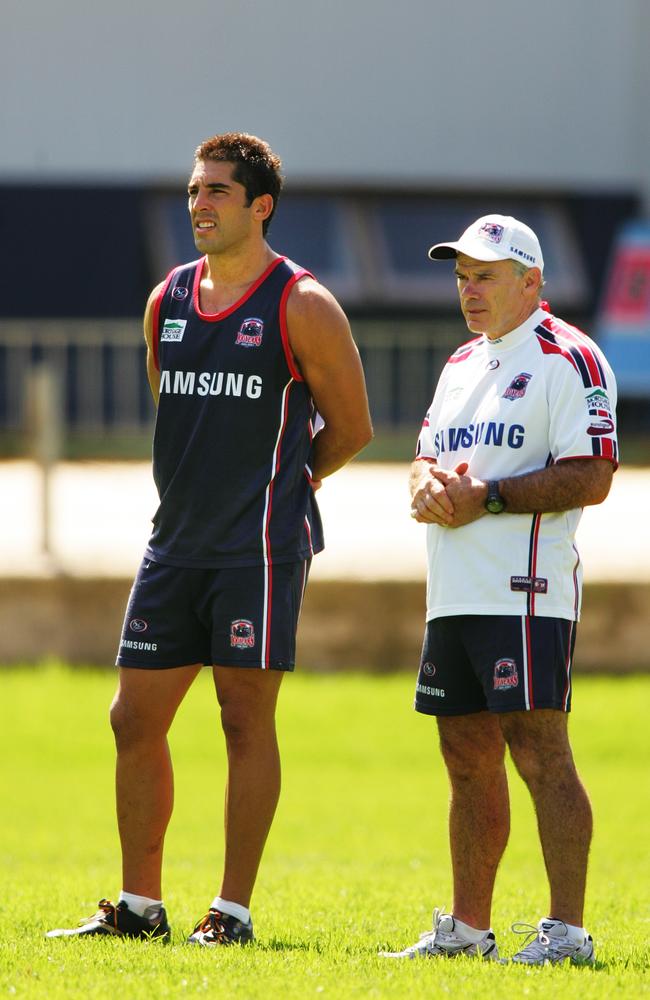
(448, 498)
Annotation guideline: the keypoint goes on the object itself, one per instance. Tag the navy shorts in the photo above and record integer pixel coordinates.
(495, 663)
(231, 617)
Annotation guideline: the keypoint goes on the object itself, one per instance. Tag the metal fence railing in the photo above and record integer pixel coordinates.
(99, 367)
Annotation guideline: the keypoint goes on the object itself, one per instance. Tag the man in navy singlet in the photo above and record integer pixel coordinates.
(245, 350)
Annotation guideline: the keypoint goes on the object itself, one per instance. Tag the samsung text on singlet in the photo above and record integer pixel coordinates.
(180, 383)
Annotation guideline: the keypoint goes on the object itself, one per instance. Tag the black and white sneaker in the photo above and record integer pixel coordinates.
(551, 944)
(445, 941)
(217, 928)
(119, 921)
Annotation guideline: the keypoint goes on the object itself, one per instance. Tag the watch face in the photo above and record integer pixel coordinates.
(494, 503)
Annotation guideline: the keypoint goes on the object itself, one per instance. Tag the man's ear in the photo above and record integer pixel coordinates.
(533, 279)
(262, 207)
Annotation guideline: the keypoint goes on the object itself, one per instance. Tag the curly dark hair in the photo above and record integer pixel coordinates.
(257, 168)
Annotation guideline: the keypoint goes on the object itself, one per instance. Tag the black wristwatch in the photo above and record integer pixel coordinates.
(494, 502)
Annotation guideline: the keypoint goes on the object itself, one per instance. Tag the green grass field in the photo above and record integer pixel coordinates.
(356, 860)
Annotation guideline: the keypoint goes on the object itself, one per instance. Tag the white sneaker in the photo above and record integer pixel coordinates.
(551, 945)
(444, 941)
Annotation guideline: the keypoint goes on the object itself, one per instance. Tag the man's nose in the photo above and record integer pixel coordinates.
(200, 199)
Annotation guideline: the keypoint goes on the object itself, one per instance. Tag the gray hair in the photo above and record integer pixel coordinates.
(521, 269)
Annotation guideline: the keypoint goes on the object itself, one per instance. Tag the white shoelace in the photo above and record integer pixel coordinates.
(544, 946)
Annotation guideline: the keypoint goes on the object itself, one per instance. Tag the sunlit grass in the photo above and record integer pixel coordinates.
(356, 860)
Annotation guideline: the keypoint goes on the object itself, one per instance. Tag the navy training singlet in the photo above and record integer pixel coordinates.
(233, 440)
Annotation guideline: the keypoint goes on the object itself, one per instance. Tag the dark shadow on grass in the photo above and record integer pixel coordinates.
(280, 944)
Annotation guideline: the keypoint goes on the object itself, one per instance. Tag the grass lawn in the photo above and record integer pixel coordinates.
(356, 860)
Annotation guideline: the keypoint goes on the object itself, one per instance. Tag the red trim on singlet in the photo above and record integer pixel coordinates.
(215, 317)
(267, 540)
(155, 321)
(284, 328)
(529, 659)
(311, 545)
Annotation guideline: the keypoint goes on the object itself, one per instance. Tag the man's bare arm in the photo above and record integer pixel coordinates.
(152, 372)
(570, 484)
(575, 482)
(322, 345)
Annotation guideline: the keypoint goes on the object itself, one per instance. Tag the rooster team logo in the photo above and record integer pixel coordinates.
(242, 634)
(505, 674)
(492, 230)
(250, 333)
(518, 386)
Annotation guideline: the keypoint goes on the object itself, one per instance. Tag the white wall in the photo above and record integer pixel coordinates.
(503, 91)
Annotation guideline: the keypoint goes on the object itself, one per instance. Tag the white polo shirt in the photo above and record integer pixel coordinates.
(541, 394)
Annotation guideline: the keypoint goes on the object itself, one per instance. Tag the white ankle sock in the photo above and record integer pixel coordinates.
(576, 934)
(471, 933)
(138, 904)
(232, 909)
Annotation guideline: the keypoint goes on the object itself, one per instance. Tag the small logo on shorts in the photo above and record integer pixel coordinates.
(138, 625)
(429, 669)
(505, 674)
(242, 633)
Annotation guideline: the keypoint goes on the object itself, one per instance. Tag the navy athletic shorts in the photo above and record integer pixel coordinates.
(495, 663)
(231, 617)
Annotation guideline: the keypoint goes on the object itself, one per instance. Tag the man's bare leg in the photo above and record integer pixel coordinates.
(142, 712)
(539, 744)
(479, 815)
(248, 699)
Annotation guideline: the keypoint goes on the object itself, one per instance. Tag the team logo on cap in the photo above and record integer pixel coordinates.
(492, 230)
(518, 386)
(250, 333)
(505, 674)
(242, 633)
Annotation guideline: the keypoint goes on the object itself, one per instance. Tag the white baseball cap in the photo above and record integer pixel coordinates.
(494, 237)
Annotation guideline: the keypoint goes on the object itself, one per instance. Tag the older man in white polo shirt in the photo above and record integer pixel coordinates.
(520, 436)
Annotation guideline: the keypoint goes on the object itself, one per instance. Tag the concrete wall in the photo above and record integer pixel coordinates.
(359, 626)
(548, 94)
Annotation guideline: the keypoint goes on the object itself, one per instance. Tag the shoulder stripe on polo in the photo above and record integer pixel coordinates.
(464, 351)
(558, 338)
